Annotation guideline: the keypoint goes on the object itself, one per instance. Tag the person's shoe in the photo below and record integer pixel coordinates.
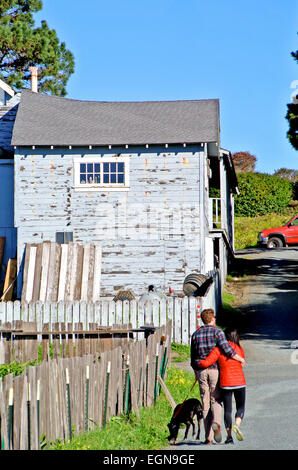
(238, 433)
(217, 433)
(229, 440)
(207, 442)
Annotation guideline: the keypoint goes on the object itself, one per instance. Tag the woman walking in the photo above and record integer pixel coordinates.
(231, 381)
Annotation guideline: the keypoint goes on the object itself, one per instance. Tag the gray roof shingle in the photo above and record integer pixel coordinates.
(51, 120)
(7, 119)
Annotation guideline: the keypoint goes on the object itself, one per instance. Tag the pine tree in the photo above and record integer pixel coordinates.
(23, 45)
(292, 116)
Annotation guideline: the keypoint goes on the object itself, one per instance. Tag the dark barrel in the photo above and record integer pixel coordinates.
(192, 284)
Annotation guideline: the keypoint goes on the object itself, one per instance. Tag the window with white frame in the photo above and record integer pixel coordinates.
(94, 173)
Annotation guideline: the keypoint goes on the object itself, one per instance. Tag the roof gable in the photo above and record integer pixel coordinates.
(51, 120)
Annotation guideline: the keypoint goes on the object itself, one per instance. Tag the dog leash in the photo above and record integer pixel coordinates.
(185, 399)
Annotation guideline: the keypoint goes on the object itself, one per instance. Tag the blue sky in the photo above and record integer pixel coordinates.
(234, 50)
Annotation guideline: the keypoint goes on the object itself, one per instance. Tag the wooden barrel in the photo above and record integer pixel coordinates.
(192, 283)
(124, 295)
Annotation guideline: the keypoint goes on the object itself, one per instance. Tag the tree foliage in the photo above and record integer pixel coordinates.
(292, 115)
(291, 175)
(261, 193)
(23, 45)
(244, 161)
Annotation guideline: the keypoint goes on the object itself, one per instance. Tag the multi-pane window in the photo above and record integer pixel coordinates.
(113, 172)
(90, 173)
(96, 173)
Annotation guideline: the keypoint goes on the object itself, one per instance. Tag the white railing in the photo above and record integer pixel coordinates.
(214, 212)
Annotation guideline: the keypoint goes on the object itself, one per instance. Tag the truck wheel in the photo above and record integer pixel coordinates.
(274, 242)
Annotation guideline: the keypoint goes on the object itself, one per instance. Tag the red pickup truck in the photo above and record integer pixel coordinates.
(280, 236)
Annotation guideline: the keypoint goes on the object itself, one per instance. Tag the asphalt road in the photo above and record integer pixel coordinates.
(271, 369)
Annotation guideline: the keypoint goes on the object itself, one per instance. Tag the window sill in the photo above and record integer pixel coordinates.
(101, 188)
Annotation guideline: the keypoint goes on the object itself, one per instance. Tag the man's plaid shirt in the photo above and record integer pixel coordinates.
(203, 340)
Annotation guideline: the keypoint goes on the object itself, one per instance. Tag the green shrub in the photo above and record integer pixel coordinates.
(261, 193)
(15, 368)
(295, 190)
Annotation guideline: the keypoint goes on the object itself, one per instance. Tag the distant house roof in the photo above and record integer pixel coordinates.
(7, 119)
(51, 120)
(7, 88)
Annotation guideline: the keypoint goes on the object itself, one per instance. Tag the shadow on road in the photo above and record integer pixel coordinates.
(269, 279)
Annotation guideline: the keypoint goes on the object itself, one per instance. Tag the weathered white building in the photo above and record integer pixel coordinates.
(133, 176)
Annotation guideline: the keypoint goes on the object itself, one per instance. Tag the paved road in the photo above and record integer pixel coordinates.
(271, 310)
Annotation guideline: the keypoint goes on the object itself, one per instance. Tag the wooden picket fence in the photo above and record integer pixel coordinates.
(182, 311)
(63, 397)
(22, 342)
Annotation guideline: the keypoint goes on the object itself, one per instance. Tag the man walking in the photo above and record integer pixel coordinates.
(203, 340)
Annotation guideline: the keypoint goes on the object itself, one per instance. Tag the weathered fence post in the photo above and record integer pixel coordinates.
(146, 389)
(37, 410)
(162, 365)
(10, 416)
(126, 388)
(68, 403)
(28, 415)
(106, 394)
(87, 399)
(156, 366)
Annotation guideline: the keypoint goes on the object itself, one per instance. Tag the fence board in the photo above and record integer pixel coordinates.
(63, 270)
(104, 313)
(9, 311)
(54, 267)
(119, 312)
(4, 416)
(97, 273)
(85, 272)
(44, 270)
(32, 381)
(91, 273)
(37, 274)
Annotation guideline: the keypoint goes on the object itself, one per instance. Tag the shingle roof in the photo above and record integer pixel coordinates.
(51, 120)
(7, 119)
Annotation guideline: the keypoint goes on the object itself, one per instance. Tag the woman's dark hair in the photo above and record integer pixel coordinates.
(232, 335)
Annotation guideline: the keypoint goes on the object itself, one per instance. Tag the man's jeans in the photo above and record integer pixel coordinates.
(211, 399)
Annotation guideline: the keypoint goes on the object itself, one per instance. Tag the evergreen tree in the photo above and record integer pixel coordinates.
(23, 45)
(292, 116)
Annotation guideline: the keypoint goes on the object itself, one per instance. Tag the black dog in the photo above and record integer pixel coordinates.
(184, 413)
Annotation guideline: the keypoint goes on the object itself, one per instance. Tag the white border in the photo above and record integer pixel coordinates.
(99, 159)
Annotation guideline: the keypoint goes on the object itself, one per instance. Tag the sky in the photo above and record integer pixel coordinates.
(234, 50)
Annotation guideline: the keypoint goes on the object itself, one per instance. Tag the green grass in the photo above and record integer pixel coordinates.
(181, 352)
(130, 433)
(228, 315)
(247, 228)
